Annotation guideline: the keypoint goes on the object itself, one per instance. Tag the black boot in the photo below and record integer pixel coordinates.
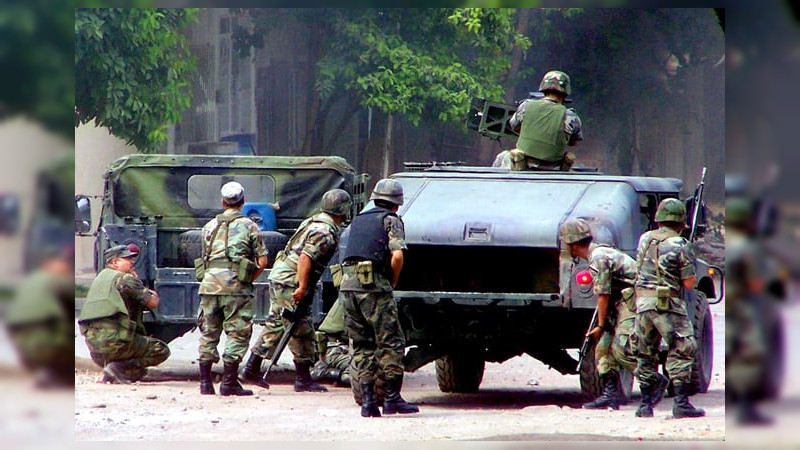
(646, 404)
(659, 389)
(393, 403)
(118, 372)
(681, 407)
(748, 414)
(252, 371)
(610, 396)
(369, 401)
(230, 381)
(303, 381)
(206, 382)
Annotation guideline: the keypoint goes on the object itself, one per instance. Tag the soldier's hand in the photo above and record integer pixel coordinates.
(298, 294)
(595, 333)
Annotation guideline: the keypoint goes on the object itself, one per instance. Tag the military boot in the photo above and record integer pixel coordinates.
(646, 403)
(230, 381)
(117, 371)
(681, 407)
(748, 414)
(369, 401)
(659, 389)
(252, 371)
(206, 381)
(393, 403)
(610, 396)
(303, 381)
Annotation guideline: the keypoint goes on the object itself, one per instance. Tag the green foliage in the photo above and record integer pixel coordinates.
(132, 70)
(421, 63)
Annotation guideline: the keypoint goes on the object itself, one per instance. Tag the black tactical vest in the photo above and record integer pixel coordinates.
(368, 238)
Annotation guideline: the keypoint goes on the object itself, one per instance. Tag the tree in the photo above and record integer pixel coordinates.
(425, 64)
(132, 68)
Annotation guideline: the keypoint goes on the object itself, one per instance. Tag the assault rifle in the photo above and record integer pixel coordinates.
(587, 341)
(698, 205)
(293, 317)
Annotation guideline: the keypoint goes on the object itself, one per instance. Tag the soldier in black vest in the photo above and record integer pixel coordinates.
(371, 264)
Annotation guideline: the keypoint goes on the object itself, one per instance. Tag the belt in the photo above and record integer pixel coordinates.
(221, 264)
(653, 293)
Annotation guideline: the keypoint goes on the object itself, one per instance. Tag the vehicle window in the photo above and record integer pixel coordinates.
(647, 211)
(203, 190)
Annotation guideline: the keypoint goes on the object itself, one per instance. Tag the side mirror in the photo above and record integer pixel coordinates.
(83, 214)
(9, 213)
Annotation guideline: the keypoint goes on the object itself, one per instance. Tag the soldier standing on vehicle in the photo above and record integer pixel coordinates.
(371, 266)
(233, 257)
(333, 348)
(546, 127)
(614, 273)
(293, 277)
(665, 264)
(111, 319)
(746, 352)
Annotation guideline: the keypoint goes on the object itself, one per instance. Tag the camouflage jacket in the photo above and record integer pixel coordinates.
(243, 242)
(612, 269)
(664, 258)
(572, 123)
(397, 241)
(317, 238)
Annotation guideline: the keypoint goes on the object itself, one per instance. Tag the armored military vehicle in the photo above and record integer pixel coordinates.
(160, 203)
(486, 279)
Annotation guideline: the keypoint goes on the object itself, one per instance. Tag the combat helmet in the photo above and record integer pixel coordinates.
(336, 202)
(671, 210)
(574, 230)
(389, 190)
(556, 80)
(738, 210)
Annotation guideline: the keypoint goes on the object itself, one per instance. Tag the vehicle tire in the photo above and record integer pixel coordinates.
(704, 336)
(355, 386)
(459, 373)
(190, 246)
(592, 385)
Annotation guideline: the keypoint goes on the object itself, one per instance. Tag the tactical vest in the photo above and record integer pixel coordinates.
(103, 299)
(651, 250)
(542, 135)
(369, 240)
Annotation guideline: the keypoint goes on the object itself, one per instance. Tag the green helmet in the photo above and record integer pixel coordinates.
(337, 202)
(389, 190)
(671, 210)
(574, 230)
(556, 80)
(738, 210)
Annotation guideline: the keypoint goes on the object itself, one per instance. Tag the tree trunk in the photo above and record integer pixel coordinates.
(510, 80)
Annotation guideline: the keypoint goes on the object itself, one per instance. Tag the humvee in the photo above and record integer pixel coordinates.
(486, 279)
(160, 203)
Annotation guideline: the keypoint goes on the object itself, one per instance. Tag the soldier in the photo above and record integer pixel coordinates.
(333, 348)
(111, 319)
(371, 266)
(293, 277)
(546, 127)
(665, 263)
(233, 257)
(746, 352)
(41, 319)
(614, 273)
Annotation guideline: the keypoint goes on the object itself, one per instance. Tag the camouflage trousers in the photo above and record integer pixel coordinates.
(614, 352)
(371, 321)
(232, 313)
(301, 344)
(139, 353)
(677, 332)
(49, 344)
(746, 352)
(334, 364)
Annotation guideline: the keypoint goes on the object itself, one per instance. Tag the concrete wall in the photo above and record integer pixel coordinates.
(95, 149)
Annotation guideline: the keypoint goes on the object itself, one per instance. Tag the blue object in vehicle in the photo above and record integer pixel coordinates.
(261, 213)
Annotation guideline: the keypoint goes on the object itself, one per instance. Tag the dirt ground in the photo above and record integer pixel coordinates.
(520, 399)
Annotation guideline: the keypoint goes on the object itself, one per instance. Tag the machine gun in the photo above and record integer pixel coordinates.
(697, 201)
(490, 119)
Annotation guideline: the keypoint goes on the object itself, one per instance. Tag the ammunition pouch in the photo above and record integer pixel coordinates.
(199, 268)
(246, 270)
(365, 273)
(629, 297)
(336, 275)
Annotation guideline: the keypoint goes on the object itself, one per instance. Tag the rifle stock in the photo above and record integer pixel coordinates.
(587, 341)
(293, 317)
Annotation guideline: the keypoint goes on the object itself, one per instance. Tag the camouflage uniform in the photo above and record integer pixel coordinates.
(111, 322)
(554, 126)
(371, 317)
(333, 348)
(226, 302)
(317, 238)
(614, 271)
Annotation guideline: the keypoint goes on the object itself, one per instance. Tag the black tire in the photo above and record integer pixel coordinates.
(459, 373)
(703, 364)
(190, 246)
(355, 385)
(592, 385)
